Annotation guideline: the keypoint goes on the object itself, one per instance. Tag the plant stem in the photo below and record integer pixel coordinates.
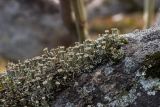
(149, 6)
(81, 19)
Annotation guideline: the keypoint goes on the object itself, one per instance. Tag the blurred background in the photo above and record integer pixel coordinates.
(28, 26)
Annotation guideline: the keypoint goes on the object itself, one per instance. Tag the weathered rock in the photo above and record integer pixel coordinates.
(109, 83)
(120, 85)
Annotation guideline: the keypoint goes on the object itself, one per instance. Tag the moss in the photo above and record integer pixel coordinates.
(36, 82)
(152, 65)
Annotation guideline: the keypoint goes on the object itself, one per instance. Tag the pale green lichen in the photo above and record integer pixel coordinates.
(130, 65)
(124, 100)
(35, 82)
(150, 85)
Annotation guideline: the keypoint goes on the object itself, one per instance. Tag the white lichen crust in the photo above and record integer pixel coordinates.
(35, 82)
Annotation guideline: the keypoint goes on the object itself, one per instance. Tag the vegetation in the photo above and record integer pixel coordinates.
(149, 7)
(35, 82)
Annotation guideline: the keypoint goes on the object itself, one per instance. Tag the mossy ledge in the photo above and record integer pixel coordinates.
(35, 82)
(151, 65)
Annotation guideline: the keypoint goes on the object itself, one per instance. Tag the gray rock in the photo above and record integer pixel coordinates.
(120, 85)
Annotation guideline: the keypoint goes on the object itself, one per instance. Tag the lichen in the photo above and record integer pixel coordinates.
(151, 65)
(35, 82)
(108, 70)
(129, 65)
(149, 85)
(124, 100)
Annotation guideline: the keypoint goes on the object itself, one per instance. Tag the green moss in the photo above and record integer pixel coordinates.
(152, 65)
(36, 82)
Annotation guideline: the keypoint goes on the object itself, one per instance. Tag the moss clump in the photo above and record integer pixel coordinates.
(35, 82)
(152, 65)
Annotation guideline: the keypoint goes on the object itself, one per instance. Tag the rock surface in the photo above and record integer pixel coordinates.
(120, 85)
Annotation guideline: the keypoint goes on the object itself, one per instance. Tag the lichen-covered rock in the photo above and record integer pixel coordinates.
(37, 81)
(97, 73)
(119, 85)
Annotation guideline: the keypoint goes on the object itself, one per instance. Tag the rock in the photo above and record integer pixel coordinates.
(110, 85)
(120, 85)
